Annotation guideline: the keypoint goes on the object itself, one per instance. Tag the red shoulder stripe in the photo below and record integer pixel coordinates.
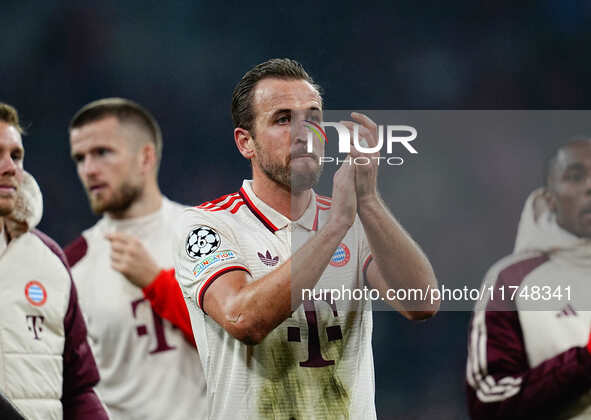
(323, 202)
(237, 206)
(214, 202)
(217, 202)
(224, 206)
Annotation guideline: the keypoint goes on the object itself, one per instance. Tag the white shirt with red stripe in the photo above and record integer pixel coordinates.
(148, 370)
(317, 364)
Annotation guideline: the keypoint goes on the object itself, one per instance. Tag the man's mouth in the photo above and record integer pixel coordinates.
(7, 189)
(97, 188)
(304, 155)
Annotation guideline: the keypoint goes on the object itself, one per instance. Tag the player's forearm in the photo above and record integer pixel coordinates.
(400, 261)
(265, 303)
(310, 261)
(549, 386)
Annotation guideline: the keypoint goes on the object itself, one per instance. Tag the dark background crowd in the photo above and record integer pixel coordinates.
(460, 198)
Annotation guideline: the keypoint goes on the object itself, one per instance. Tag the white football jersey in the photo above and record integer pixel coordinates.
(148, 370)
(317, 364)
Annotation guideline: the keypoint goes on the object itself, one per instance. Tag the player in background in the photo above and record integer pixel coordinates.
(528, 363)
(242, 279)
(145, 363)
(47, 369)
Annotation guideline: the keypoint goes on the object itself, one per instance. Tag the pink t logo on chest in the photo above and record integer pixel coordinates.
(34, 324)
(161, 344)
(333, 333)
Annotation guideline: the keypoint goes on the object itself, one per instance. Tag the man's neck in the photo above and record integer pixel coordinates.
(280, 198)
(149, 202)
(4, 238)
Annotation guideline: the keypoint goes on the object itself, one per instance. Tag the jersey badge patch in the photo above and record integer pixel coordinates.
(201, 242)
(213, 259)
(341, 256)
(35, 293)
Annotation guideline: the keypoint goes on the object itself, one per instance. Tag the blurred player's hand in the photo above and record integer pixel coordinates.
(130, 258)
(366, 175)
(344, 200)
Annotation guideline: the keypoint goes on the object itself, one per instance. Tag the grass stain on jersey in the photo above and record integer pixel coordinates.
(290, 391)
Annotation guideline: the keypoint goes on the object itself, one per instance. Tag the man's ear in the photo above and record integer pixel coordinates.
(245, 142)
(148, 158)
(550, 198)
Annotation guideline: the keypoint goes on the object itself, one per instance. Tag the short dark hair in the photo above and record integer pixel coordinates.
(9, 115)
(124, 110)
(551, 161)
(242, 96)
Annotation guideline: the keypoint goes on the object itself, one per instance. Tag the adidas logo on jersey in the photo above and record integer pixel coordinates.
(568, 310)
(267, 259)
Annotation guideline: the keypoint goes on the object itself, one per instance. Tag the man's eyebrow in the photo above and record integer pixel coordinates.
(287, 110)
(278, 112)
(282, 111)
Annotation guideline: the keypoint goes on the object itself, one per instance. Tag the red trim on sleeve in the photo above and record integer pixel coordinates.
(212, 278)
(167, 300)
(366, 266)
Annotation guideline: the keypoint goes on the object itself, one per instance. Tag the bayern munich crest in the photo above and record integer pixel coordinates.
(341, 256)
(35, 293)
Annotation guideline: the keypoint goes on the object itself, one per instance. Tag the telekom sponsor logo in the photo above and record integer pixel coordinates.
(35, 325)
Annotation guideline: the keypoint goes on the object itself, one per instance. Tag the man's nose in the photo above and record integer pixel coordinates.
(89, 166)
(8, 166)
(299, 132)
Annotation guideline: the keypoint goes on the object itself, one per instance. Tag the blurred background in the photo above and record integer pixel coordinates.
(460, 200)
